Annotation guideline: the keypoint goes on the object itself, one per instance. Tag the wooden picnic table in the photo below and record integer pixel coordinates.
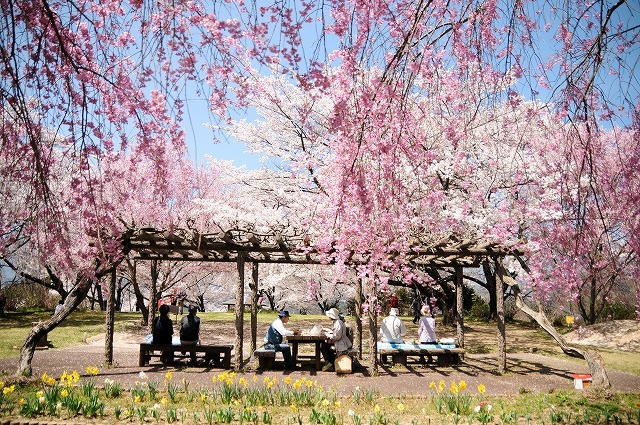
(296, 340)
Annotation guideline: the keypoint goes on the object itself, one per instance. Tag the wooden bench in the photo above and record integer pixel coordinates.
(266, 357)
(219, 354)
(446, 354)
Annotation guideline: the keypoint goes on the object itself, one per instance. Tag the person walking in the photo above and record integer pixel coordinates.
(416, 305)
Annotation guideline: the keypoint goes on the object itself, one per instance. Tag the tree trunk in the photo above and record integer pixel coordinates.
(358, 315)
(73, 300)
(490, 278)
(108, 337)
(600, 379)
(459, 307)
(239, 314)
(136, 290)
(499, 294)
(153, 295)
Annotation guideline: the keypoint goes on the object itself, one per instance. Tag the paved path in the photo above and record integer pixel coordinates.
(527, 372)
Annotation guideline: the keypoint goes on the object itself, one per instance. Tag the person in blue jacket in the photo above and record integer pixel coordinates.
(274, 339)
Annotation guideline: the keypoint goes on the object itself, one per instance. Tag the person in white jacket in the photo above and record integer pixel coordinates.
(337, 339)
(392, 328)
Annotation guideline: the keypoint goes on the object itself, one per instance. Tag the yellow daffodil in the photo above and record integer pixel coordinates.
(288, 380)
(482, 389)
(8, 390)
(203, 397)
(164, 401)
(293, 407)
(376, 409)
(325, 402)
(64, 393)
(243, 382)
(39, 393)
(254, 378)
(453, 388)
(168, 375)
(432, 385)
(400, 406)
(22, 401)
(462, 385)
(75, 375)
(297, 384)
(1, 384)
(338, 404)
(137, 399)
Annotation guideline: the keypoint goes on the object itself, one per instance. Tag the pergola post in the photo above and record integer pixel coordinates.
(358, 316)
(502, 343)
(254, 305)
(239, 313)
(459, 307)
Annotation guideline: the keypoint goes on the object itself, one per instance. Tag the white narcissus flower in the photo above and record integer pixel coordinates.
(351, 412)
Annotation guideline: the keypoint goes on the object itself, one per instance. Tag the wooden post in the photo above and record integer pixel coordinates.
(239, 313)
(254, 305)
(358, 316)
(502, 343)
(373, 325)
(459, 307)
(108, 338)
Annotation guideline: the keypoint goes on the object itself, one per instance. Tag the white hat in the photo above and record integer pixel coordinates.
(333, 313)
(393, 311)
(425, 310)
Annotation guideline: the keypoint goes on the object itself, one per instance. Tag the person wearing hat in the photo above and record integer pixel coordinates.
(392, 328)
(274, 339)
(190, 330)
(337, 339)
(426, 330)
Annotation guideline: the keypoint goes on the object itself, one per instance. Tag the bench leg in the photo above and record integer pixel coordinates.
(226, 362)
(399, 359)
(265, 362)
(444, 360)
(143, 359)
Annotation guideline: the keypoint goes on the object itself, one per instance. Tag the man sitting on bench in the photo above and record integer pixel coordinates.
(163, 332)
(190, 330)
(273, 340)
(392, 329)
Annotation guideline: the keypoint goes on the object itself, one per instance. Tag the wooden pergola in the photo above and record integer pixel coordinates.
(291, 247)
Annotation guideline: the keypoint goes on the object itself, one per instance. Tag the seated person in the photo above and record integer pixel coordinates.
(337, 339)
(426, 330)
(392, 329)
(190, 330)
(274, 339)
(190, 327)
(163, 332)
